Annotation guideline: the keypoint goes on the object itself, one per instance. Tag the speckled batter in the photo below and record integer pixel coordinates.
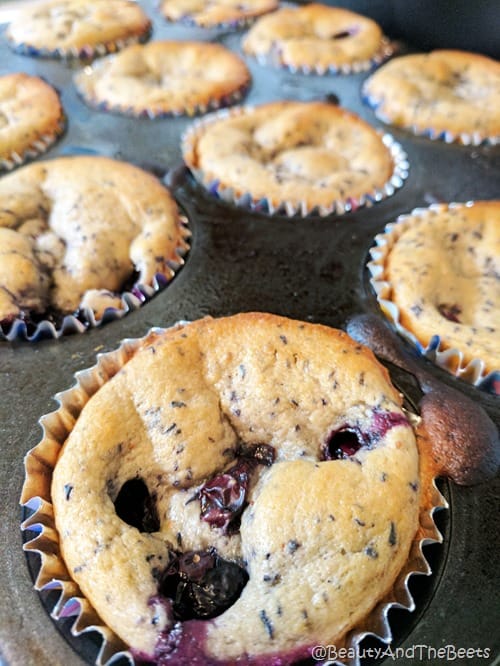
(71, 25)
(444, 273)
(295, 152)
(164, 77)
(211, 13)
(443, 91)
(75, 224)
(315, 36)
(321, 539)
(31, 117)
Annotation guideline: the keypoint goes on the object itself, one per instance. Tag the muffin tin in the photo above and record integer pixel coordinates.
(307, 268)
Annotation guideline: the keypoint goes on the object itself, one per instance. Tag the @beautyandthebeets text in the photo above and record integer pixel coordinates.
(329, 655)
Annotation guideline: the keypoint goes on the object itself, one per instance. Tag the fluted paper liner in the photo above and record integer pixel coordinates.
(53, 574)
(384, 52)
(472, 138)
(288, 208)
(130, 301)
(41, 145)
(87, 52)
(450, 359)
(190, 110)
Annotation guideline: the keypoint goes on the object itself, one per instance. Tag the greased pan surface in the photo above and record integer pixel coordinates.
(311, 269)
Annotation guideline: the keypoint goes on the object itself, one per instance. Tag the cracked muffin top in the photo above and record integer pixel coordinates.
(66, 27)
(299, 152)
(245, 487)
(315, 36)
(74, 226)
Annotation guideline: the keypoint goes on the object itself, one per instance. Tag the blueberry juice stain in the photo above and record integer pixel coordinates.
(346, 441)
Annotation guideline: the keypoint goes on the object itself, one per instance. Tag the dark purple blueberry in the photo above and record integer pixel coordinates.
(202, 585)
(450, 312)
(346, 33)
(342, 443)
(223, 497)
(135, 506)
(341, 35)
(348, 439)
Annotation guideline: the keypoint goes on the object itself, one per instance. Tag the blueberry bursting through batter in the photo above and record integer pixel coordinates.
(201, 584)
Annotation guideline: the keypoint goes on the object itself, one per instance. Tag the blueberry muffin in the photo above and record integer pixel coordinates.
(317, 38)
(78, 228)
(440, 267)
(165, 78)
(450, 95)
(31, 118)
(241, 489)
(77, 28)
(215, 13)
(297, 155)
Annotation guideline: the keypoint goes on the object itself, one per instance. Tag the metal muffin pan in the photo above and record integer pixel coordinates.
(311, 269)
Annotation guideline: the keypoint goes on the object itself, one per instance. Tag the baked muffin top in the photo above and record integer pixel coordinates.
(295, 152)
(212, 13)
(76, 224)
(299, 429)
(315, 36)
(446, 93)
(165, 77)
(31, 117)
(443, 270)
(65, 27)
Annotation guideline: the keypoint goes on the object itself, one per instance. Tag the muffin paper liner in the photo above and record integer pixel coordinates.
(88, 52)
(41, 145)
(450, 359)
(130, 301)
(288, 208)
(194, 110)
(275, 59)
(43, 538)
(463, 138)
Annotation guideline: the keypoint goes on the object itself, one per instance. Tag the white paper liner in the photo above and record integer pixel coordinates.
(53, 574)
(41, 145)
(130, 301)
(274, 59)
(450, 359)
(88, 52)
(290, 209)
(234, 97)
(473, 138)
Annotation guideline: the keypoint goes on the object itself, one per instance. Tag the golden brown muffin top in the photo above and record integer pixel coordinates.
(76, 24)
(31, 116)
(76, 224)
(165, 77)
(310, 152)
(314, 36)
(444, 91)
(318, 534)
(212, 13)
